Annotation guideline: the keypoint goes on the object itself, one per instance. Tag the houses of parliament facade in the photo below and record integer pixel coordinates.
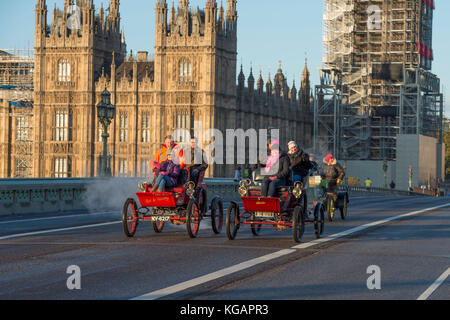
(190, 79)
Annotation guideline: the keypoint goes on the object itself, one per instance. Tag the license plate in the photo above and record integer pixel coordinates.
(161, 219)
(265, 215)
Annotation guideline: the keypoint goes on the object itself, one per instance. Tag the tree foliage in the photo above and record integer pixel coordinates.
(447, 152)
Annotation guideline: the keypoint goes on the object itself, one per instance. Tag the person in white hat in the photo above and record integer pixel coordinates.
(299, 162)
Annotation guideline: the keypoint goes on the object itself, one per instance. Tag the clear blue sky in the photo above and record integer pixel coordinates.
(268, 31)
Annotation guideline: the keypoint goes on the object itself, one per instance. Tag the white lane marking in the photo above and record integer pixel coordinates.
(20, 235)
(87, 215)
(434, 286)
(363, 227)
(244, 265)
(212, 276)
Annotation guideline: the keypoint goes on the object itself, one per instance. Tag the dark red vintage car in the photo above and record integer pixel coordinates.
(289, 210)
(183, 204)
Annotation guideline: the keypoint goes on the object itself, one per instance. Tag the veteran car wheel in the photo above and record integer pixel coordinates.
(232, 221)
(298, 224)
(129, 218)
(217, 215)
(193, 219)
(319, 220)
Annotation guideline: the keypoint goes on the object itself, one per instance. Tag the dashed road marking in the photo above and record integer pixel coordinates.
(434, 286)
(158, 294)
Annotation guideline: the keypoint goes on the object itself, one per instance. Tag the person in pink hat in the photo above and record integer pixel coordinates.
(332, 171)
(276, 172)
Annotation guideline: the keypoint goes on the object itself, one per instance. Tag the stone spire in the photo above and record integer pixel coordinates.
(251, 81)
(260, 84)
(222, 18)
(305, 89)
(184, 4)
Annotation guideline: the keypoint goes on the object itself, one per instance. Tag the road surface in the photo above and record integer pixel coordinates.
(397, 246)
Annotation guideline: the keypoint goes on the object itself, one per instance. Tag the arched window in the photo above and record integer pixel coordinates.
(62, 126)
(62, 167)
(123, 129)
(63, 71)
(185, 70)
(183, 126)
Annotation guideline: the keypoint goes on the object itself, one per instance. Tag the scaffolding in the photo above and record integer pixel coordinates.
(16, 93)
(16, 68)
(374, 46)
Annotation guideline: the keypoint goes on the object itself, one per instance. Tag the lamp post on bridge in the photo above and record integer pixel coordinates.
(385, 169)
(410, 178)
(106, 112)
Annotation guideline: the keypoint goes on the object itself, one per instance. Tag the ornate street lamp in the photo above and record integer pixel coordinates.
(106, 112)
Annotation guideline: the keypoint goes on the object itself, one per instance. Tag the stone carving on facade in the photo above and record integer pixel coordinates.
(207, 90)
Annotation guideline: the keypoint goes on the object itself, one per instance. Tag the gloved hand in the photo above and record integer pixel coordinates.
(338, 182)
(156, 164)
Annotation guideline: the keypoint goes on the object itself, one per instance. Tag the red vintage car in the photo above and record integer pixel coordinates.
(289, 210)
(183, 204)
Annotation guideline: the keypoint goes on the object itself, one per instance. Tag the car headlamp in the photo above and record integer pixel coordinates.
(243, 190)
(245, 182)
(243, 187)
(142, 186)
(297, 190)
(190, 189)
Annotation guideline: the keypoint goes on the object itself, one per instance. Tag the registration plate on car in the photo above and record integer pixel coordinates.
(161, 218)
(265, 214)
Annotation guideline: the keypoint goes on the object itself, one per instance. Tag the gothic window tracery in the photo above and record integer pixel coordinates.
(185, 70)
(183, 126)
(123, 136)
(145, 167)
(22, 129)
(63, 126)
(64, 70)
(145, 127)
(123, 168)
(62, 167)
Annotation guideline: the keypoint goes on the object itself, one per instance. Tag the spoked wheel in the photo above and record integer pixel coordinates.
(202, 201)
(256, 228)
(298, 224)
(217, 215)
(193, 219)
(158, 226)
(232, 221)
(319, 220)
(344, 208)
(130, 218)
(330, 208)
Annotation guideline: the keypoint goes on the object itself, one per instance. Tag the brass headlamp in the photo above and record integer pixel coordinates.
(243, 187)
(190, 189)
(297, 190)
(142, 186)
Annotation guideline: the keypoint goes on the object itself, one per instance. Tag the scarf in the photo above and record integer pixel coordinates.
(271, 161)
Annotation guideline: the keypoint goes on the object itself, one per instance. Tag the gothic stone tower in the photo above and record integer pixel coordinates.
(195, 68)
(69, 57)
